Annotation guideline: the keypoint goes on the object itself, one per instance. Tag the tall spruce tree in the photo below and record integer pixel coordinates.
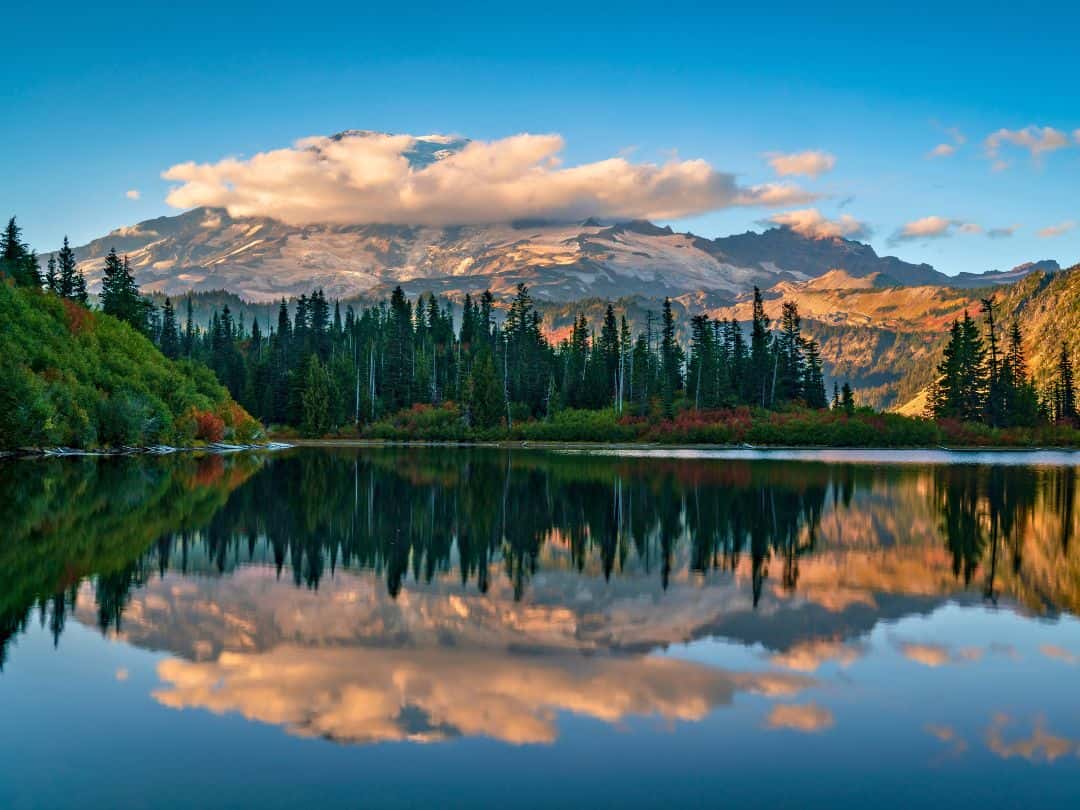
(170, 334)
(120, 295)
(759, 373)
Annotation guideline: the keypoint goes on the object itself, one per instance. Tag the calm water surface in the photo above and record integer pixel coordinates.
(450, 627)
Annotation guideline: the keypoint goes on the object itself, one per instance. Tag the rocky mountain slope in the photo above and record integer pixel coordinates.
(262, 259)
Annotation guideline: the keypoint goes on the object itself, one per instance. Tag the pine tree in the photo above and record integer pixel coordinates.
(789, 371)
(315, 398)
(67, 270)
(1064, 389)
(170, 335)
(759, 374)
(16, 259)
(52, 283)
(119, 294)
(188, 345)
(671, 356)
(484, 394)
(996, 404)
(813, 382)
(847, 399)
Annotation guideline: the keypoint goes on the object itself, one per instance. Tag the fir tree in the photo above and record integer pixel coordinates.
(51, 279)
(170, 334)
(119, 294)
(484, 394)
(68, 273)
(758, 378)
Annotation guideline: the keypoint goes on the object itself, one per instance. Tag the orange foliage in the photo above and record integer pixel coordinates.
(78, 317)
(209, 426)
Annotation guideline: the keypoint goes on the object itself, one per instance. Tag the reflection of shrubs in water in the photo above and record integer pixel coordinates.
(68, 519)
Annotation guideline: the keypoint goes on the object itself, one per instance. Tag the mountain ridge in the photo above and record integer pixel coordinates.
(262, 259)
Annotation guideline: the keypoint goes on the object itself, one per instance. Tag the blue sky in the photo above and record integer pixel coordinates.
(101, 100)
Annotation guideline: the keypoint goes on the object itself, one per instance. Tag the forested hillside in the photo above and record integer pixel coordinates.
(73, 377)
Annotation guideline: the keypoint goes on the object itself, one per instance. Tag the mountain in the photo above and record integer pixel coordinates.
(262, 259)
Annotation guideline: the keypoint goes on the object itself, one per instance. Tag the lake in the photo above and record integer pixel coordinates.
(454, 627)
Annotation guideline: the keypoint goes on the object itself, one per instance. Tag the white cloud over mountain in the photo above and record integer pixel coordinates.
(936, 227)
(809, 164)
(811, 223)
(363, 177)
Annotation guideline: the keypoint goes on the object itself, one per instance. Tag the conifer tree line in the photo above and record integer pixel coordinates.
(320, 368)
(983, 377)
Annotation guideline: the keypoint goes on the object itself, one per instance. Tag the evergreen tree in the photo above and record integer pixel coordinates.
(51, 279)
(760, 372)
(997, 381)
(170, 334)
(315, 398)
(68, 273)
(188, 345)
(813, 382)
(1064, 389)
(119, 294)
(789, 362)
(16, 259)
(671, 357)
(484, 394)
(847, 399)
(960, 389)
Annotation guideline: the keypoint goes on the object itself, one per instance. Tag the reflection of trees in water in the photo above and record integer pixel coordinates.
(465, 513)
(989, 512)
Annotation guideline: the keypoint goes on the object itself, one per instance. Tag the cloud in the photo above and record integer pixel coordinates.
(1036, 140)
(1003, 232)
(808, 164)
(810, 222)
(1058, 653)
(430, 694)
(933, 227)
(369, 177)
(1057, 230)
(132, 194)
(1041, 746)
(942, 150)
(808, 718)
(938, 655)
(948, 149)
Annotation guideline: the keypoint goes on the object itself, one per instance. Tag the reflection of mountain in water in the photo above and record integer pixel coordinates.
(525, 551)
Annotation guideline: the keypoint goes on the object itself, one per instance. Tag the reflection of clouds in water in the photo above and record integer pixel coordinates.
(1058, 653)
(1041, 746)
(937, 655)
(808, 656)
(368, 695)
(949, 736)
(807, 717)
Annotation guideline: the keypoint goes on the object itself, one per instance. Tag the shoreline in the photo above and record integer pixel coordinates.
(520, 444)
(852, 453)
(217, 448)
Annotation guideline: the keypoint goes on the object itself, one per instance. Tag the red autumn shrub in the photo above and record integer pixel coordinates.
(209, 427)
